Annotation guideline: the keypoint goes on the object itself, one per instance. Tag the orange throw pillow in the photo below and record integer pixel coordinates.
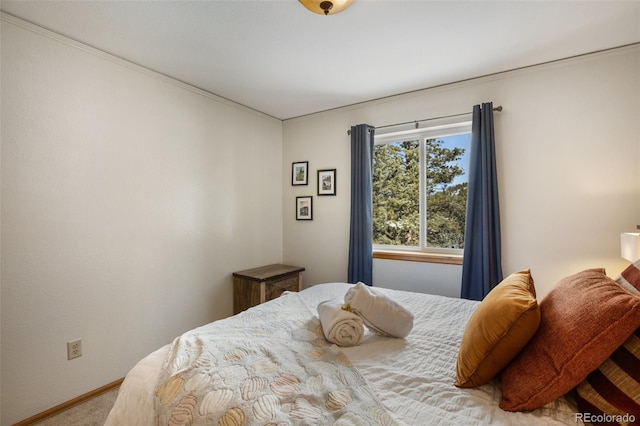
(584, 318)
(504, 322)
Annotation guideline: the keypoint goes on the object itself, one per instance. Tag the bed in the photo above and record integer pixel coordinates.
(383, 380)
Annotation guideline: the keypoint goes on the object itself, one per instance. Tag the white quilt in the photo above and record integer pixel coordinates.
(269, 365)
(412, 377)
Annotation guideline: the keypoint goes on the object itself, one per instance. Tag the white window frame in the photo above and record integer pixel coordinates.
(422, 134)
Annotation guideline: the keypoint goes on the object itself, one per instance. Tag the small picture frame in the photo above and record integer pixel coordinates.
(299, 173)
(304, 208)
(327, 182)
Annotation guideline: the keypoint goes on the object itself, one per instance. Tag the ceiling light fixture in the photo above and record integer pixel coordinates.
(326, 7)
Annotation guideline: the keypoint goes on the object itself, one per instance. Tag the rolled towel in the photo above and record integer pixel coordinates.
(338, 325)
(380, 313)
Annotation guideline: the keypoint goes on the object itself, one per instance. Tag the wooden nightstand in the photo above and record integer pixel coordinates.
(255, 286)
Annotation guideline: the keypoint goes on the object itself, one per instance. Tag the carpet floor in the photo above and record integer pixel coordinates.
(93, 412)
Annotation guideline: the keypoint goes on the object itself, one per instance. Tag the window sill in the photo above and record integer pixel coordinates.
(446, 259)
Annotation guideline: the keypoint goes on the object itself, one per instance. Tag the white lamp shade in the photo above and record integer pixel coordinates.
(630, 246)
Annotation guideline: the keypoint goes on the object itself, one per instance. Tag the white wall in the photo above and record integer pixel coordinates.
(128, 199)
(568, 153)
(433, 278)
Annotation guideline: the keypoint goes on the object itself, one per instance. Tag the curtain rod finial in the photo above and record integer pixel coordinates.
(498, 108)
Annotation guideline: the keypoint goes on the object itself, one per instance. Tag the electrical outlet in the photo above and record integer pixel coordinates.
(74, 349)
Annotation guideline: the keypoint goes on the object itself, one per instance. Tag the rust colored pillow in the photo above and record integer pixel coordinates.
(584, 318)
(504, 322)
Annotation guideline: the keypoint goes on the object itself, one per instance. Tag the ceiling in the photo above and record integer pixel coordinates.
(278, 58)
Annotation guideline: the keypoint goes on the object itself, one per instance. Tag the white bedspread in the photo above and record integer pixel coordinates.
(268, 365)
(412, 377)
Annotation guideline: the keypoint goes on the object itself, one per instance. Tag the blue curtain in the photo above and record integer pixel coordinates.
(482, 264)
(361, 234)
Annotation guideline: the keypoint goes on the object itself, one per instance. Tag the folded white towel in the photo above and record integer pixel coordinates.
(379, 312)
(339, 326)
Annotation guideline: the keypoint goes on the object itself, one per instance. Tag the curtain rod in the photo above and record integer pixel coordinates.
(498, 109)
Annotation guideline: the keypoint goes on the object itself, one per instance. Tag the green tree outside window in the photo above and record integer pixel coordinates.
(396, 194)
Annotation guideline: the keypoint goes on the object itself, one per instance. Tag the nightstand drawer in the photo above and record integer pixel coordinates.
(274, 289)
(258, 285)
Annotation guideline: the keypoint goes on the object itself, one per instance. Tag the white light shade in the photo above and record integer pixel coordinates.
(630, 246)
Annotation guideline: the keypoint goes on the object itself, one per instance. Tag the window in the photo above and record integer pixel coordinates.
(420, 189)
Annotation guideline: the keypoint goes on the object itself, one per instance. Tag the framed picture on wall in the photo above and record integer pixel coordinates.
(304, 208)
(299, 173)
(327, 182)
